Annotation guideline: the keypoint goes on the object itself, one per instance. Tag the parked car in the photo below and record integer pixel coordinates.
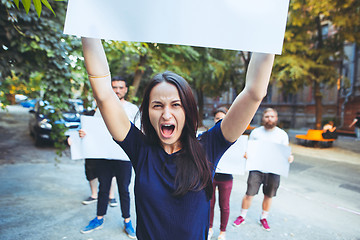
(29, 103)
(19, 98)
(40, 125)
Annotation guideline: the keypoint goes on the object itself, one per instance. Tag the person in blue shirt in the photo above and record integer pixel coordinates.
(173, 168)
(223, 182)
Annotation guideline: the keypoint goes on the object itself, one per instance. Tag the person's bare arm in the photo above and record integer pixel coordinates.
(247, 102)
(110, 107)
(353, 123)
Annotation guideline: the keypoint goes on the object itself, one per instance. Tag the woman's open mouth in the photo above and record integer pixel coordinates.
(167, 130)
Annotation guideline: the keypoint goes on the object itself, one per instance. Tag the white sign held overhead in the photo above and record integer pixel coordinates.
(257, 25)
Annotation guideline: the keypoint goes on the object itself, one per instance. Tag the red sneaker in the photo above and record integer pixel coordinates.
(264, 224)
(239, 221)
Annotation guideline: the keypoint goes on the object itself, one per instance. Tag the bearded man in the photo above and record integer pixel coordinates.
(270, 181)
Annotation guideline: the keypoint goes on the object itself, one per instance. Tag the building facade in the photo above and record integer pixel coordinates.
(340, 102)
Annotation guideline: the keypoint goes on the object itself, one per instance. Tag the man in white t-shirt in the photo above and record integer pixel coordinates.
(268, 132)
(121, 169)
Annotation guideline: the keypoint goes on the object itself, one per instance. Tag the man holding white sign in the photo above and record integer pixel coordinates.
(269, 132)
(121, 169)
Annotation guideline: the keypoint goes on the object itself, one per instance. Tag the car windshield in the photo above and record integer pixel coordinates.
(72, 107)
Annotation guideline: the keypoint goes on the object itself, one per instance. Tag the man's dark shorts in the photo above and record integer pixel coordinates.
(90, 168)
(270, 183)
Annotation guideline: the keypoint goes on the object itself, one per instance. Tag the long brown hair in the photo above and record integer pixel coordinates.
(193, 169)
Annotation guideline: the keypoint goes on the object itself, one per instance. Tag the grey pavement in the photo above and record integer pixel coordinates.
(40, 196)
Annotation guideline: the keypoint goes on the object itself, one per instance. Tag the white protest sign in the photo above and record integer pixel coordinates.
(233, 161)
(97, 143)
(268, 157)
(256, 25)
(75, 145)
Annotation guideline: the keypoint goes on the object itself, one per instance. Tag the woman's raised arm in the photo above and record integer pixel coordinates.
(110, 107)
(247, 102)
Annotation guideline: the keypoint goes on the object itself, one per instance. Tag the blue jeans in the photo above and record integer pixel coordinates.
(107, 169)
(357, 132)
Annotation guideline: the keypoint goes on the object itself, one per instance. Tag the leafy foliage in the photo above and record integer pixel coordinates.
(311, 54)
(35, 51)
(37, 4)
(38, 60)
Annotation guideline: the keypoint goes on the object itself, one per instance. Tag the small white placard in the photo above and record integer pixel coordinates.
(75, 145)
(98, 143)
(233, 161)
(268, 157)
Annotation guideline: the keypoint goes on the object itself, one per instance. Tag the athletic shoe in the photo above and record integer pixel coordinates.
(264, 224)
(89, 200)
(129, 230)
(221, 237)
(93, 225)
(240, 220)
(112, 202)
(211, 232)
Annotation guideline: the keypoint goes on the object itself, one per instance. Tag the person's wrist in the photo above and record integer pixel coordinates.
(99, 76)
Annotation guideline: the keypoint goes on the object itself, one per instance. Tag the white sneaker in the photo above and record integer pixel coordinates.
(221, 237)
(211, 232)
(113, 202)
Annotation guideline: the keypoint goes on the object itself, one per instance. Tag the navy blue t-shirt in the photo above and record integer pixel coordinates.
(160, 215)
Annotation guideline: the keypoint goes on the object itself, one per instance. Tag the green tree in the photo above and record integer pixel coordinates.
(310, 54)
(33, 48)
(216, 71)
(128, 59)
(37, 5)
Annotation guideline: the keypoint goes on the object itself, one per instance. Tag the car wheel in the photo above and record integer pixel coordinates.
(31, 133)
(38, 141)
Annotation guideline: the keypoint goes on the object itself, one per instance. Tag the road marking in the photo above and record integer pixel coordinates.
(321, 202)
(348, 210)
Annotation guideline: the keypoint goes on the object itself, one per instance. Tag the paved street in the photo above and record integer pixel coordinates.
(41, 194)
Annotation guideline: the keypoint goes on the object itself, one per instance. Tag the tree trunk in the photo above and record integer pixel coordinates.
(293, 113)
(317, 92)
(318, 105)
(85, 96)
(246, 58)
(200, 98)
(10, 98)
(139, 72)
